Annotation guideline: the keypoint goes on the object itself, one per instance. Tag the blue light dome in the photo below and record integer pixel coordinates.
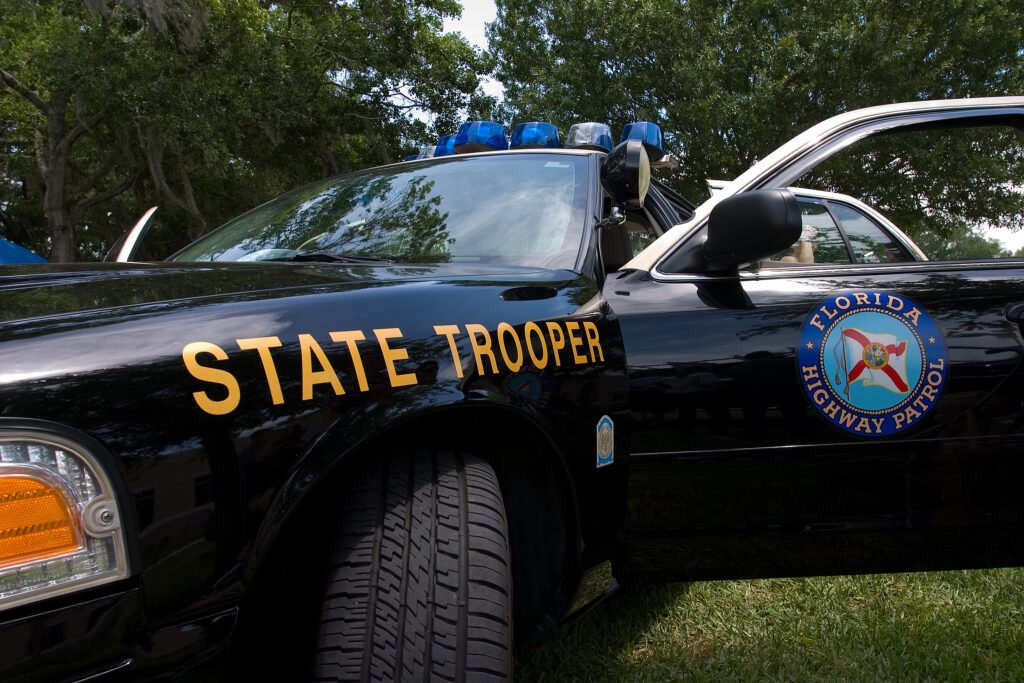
(590, 135)
(536, 134)
(445, 146)
(480, 136)
(646, 132)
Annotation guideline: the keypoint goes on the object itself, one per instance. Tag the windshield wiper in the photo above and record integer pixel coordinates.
(324, 257)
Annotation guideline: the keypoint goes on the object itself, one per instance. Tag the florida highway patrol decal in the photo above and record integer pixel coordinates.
(872, 363)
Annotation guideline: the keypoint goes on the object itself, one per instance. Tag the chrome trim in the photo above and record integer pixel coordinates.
(862, 269)
(138, 231)
(820, 140)
(107, 499)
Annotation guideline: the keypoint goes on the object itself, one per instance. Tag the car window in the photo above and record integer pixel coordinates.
(820, 240)
(867, 240)
(522, 209)
(956, 192)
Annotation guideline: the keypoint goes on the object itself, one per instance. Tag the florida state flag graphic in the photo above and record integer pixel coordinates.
(875, 359)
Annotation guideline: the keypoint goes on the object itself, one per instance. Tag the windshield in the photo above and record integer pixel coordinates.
(523, 209)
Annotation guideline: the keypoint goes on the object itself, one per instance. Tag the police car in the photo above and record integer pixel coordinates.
(381, 425)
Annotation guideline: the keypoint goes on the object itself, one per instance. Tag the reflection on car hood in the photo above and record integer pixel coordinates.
(40, 291)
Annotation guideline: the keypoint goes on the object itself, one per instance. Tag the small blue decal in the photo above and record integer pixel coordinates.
(605, 441)
(872, 363)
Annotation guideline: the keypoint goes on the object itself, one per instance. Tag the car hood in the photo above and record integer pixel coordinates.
(60, 289)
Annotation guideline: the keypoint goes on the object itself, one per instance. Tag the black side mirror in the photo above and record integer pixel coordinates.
(626, 173)
(750, 226)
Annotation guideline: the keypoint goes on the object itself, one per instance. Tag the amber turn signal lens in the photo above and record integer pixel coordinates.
(36, 521)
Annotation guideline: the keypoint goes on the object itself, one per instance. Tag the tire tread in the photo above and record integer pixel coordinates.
(419, 582)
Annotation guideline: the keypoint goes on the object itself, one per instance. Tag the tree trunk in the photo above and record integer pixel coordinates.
(55, 205)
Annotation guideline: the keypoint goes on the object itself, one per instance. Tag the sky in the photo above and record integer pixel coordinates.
(476, 13)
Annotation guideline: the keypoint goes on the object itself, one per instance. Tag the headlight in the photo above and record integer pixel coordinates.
(60, 526)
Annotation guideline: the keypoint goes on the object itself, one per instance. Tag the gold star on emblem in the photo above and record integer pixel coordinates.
(931, 340)
(810, 345)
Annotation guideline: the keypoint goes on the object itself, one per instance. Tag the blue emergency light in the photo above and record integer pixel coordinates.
(590, 135)
(646, 132)
(445, 146)
(536, 134)
(480, 136)
(413, 157)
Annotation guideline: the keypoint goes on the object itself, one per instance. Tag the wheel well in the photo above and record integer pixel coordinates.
(285, 592)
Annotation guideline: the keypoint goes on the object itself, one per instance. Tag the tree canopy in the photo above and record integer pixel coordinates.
(209, 107)
(731, 80)
(206, 108)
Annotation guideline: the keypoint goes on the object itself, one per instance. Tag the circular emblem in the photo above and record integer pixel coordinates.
(872, 363)
(605, 441)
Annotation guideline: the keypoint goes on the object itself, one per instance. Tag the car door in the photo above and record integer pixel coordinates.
(835, 414)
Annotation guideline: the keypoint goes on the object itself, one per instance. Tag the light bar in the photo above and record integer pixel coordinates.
(60, 525)
(480, 136)
(535, 134)
(647, 133)
(445, 146)
(590, 135)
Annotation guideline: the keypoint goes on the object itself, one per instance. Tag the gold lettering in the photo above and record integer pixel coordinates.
(913, 314)
(816, 321)
(213, 376)
(310, 377)
(481, 349)
(574, 337)
(504, 330)
(533, 329)
(391, 355)
(350, 337)
(861, 298)
(593, 341)
(263, 346)
(557, 341)
(450, 331)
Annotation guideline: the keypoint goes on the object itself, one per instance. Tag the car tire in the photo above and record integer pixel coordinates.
(419, 584)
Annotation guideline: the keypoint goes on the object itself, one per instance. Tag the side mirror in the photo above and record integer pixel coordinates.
(626, 173)
(750, 226)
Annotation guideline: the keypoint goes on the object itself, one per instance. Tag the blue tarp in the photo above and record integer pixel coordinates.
(13, 253)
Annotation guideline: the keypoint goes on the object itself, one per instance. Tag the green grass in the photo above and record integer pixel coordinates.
(965, 625)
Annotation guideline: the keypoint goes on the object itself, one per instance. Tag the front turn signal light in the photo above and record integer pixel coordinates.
(37, 520)
(60, 525)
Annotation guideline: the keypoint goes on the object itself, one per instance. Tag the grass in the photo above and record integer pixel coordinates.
(964, 625)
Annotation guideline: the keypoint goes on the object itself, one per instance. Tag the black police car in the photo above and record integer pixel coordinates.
(372, 428)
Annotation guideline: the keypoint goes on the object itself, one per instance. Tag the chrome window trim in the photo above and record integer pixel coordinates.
(860, 269)
(790, 161)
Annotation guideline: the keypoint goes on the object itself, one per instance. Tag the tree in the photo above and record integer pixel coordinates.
(729, 81)
(205, 108)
